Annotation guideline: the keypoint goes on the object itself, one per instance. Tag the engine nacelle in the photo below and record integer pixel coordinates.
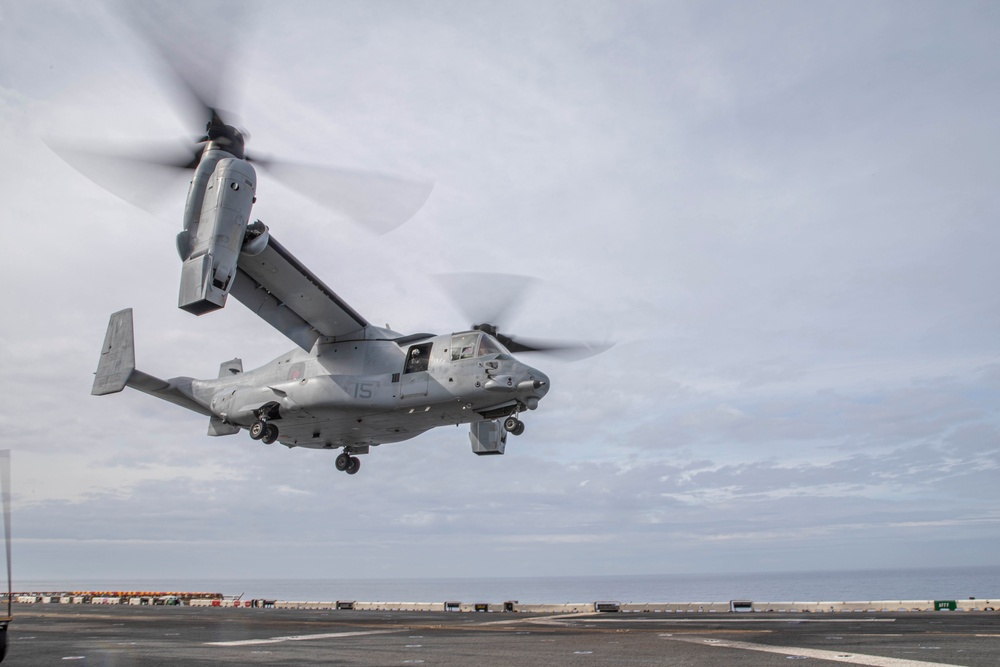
(210, 247)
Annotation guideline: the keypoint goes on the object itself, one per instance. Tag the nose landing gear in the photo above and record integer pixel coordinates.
(513, 425)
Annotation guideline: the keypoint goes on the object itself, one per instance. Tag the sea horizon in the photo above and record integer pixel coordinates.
(981, 582)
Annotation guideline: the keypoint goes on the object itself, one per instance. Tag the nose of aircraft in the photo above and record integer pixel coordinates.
(541, 380)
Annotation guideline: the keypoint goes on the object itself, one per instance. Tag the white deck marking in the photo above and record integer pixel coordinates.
(544, 620)
(795, 651)
(300, 638)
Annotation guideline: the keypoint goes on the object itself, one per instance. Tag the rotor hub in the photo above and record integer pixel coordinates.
(227, 138)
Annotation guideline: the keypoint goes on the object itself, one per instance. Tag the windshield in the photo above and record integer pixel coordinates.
(488, 345)
(475, 344)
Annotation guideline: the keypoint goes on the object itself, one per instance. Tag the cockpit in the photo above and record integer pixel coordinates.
(475, 344)
(463, 346)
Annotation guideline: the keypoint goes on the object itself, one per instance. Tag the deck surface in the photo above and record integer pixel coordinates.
(147, 635)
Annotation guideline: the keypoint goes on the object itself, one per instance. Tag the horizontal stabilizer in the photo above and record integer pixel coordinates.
(117, 356)
(176, 390)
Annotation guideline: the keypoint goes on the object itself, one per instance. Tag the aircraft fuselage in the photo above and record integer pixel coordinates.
(368, 392)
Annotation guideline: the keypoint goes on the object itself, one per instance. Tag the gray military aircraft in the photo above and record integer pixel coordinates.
(349, 385)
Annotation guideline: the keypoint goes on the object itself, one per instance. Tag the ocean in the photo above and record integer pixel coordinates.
(915, 584)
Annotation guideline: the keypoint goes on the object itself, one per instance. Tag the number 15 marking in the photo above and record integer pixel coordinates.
(364, 389)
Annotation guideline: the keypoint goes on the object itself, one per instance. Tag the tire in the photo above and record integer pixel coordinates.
(270, 434)
(258, 430)
(342, 460)
(510, 423)
(353, 465)
(519, 429)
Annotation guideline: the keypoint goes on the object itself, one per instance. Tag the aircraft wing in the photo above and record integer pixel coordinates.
(287, 295)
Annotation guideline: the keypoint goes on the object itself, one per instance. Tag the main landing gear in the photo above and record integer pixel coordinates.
(264, 431)
(347, 463)
(513, 425)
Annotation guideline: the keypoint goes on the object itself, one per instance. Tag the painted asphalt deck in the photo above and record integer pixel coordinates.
(124, 636)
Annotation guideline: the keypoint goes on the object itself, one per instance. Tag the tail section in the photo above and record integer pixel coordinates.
(230, 368)
(116, 369)
(117, 356)
(218, 425)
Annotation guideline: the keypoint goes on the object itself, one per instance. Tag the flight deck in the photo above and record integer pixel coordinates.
(48, 634)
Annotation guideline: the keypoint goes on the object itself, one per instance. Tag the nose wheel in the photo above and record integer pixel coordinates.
(513, 425)
(347, 463)
(264, 431)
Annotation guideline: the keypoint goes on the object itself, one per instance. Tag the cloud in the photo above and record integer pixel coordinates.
(783, 214)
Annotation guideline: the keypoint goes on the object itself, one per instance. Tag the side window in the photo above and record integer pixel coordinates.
(463, 346)
(418, 358)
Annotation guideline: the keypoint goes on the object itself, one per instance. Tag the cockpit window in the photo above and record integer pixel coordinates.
(488, 345)
(475, 344)
(463, 346)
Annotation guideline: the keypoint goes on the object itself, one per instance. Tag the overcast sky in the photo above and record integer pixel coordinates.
(784, 212)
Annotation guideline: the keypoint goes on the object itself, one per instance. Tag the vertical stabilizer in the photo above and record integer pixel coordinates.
(218, 425)
(117, 356)
(228, 369)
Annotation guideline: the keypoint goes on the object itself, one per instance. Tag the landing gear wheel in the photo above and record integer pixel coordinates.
(258, 430)
(513, 425)
(343, 459)
(353, 465)
(270, 434)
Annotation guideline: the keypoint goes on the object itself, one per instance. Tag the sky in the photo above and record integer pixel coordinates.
(784, 215)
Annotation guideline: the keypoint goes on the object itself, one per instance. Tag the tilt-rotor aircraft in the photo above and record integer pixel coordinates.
(348, 385)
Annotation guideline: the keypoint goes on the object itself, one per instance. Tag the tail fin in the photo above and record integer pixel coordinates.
(116, 369)
(230, 368)
(218, 425)
(117, 356)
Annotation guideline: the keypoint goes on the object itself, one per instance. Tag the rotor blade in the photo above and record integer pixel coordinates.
(485, 297)
(144, 178)
(489, 301)
(374, 200)
(560, 349)
(194, 41)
